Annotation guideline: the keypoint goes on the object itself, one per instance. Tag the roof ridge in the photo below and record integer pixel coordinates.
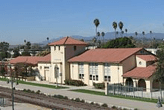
(66, 39)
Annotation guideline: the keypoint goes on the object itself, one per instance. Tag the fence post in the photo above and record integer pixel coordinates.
(133, 93)
(113, 89)
(142, 92)
(106, 88)
(125, 90)
(151, 94)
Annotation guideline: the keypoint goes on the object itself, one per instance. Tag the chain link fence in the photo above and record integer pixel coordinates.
(135, 92)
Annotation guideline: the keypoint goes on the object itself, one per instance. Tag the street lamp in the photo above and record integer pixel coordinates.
(12, 80)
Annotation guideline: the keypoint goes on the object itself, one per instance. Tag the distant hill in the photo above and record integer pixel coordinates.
(110, 35)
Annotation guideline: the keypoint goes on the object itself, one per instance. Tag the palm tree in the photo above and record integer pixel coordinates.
(121, 26)
(24, 45)
(114, 24)
(96, 22)
(103, 34)
(143, 36)
(136, 34)
(47, 38)
(126, 31)
(24, 41)
(98, 35)
(151, 38)
(117, 32)
(94, 40)
(122, 32)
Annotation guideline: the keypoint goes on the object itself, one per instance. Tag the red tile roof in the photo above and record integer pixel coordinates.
(147, 57)
(68, 41)
(26, 59)
(115, 55)
(141, 72)
(46, 58)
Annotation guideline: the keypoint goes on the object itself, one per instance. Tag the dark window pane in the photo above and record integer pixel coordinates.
(79, 76)
(97, 77)
(109, 78)
(90, 77)
(82, 76)
(93, 77)
(105, 78)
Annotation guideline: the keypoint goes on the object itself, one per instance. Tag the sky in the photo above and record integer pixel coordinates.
(35, 20)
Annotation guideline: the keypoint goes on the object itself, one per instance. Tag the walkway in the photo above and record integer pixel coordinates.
(93, 98)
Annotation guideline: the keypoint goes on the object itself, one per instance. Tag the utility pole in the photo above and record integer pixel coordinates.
(12, 88)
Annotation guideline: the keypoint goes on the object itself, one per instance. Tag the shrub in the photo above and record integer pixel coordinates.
(24, 90)
(28, 90)
(32, 92)
(74, 82)
(104, 105)
(83, 101)
(38, 92)
(99, 85)
(77, 100)
(114, 107)
(92, 103)
(60, 96)
(65, 97)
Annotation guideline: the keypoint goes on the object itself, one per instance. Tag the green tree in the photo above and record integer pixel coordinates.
(16, 53)
(28, 45)
(159, 73)
(121, 42)
(25, 53)
(114, 24)
(96, 22)
(4, 46)
(43, 53)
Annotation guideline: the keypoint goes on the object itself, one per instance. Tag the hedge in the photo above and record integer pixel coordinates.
(74, 82)
(99, 85)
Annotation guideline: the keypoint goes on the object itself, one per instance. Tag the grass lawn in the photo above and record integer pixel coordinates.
(116, 96)
(36, 84)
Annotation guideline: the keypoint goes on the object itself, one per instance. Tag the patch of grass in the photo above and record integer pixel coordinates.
(36, 84)
(116, 96)
(89, 91)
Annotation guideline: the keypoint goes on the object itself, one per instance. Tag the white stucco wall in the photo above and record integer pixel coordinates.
(116, 74)
(44, 72)
(142, 64)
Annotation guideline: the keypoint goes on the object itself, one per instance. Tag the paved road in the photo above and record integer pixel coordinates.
(93, 98)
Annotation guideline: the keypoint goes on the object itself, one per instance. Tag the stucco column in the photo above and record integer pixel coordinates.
(86, 73)
(101, 72)
(148, 85)
(135, 82)
(124, 81)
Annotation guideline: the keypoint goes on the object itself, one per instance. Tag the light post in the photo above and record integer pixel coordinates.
(12, 80)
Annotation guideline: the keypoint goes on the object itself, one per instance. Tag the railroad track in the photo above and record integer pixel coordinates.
(49, 102)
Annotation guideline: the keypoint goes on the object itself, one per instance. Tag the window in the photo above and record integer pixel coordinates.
(81, 70)
(142, 52)
(54, 48)
(93, 71)
(58, 47)
(107, 72)
(140, 62)
(46, 67)
(74, 48)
